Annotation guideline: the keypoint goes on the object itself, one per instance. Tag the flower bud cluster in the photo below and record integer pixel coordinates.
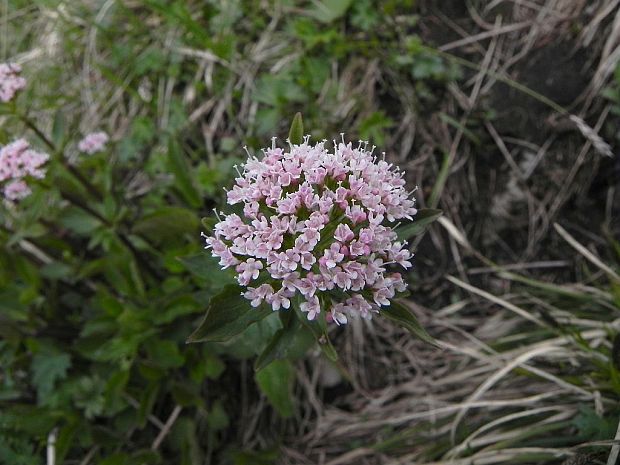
(318, 225)
(17, 162)
(11, 81)
(93, 142)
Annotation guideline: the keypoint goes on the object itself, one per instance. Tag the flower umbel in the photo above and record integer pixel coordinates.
(10, 81)
(319, 224)
(93, 142)
(18, 161)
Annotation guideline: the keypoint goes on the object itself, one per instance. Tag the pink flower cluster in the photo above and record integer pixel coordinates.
(10, 81)
(93, 142)
(18, 161)
(318, 224)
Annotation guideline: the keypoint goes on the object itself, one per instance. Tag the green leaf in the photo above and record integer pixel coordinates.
(217, 418)
(401, 315)
(203, 266)
(79, 221)
(187, 394)
(278, 346)
(147, 402)
(296, 133)
(214, 366)
(327, 11)
(178, 165)
(166, 224)
(228, 314)
(47, 368)
(164, 353)
(118, 458)
(422, 220)
(56, 270)
(208, 222)
(276, 382)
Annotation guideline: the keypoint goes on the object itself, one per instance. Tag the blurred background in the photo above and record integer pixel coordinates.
(504, 114)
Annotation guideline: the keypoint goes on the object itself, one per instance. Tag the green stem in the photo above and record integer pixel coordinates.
(93, 191)
(122, 237)
(72, 169)
(34, 128)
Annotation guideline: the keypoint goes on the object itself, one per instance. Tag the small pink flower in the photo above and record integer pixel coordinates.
(382, 296)
(343, 233)
(248, 270)
(17, 162)
(355, 214)
(93, 142)
(312, 307)
(337, 315)
(288, 205)
(259, 294)
(10, 81)
(16, 190)
(316, 221)
(307, 286)
(227, 259)
(306, 260)
(309, 236)
(332, 256)
(280, 299)
(400, 255)
(357, 249)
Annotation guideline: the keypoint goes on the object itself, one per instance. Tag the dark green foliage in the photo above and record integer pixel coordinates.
(103, 275)
(296, 133)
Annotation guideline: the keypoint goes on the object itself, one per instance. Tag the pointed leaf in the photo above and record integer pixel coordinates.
(204, 266)
(228, 314)
(280, 342)
(296, 134)
(47, 368)
(276, 382)
(422, 220)
(167, 223)
(401, 315)
(184, 178)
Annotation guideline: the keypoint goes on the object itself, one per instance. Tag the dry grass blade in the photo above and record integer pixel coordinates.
(504, 303)
(597, 141)
(586, 253)
(615, 449)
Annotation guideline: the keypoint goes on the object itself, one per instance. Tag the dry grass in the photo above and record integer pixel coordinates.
(507, 385)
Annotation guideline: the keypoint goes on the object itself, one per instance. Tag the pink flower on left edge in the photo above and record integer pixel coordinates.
(17, 162)
(93, 142)
(11, 81)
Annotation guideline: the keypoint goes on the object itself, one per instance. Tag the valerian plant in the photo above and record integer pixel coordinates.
(102, 275)
(318, 234)
(95, 305)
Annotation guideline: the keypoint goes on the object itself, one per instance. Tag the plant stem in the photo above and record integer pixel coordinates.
(72, 169)
(122, 237)
(93, 191)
